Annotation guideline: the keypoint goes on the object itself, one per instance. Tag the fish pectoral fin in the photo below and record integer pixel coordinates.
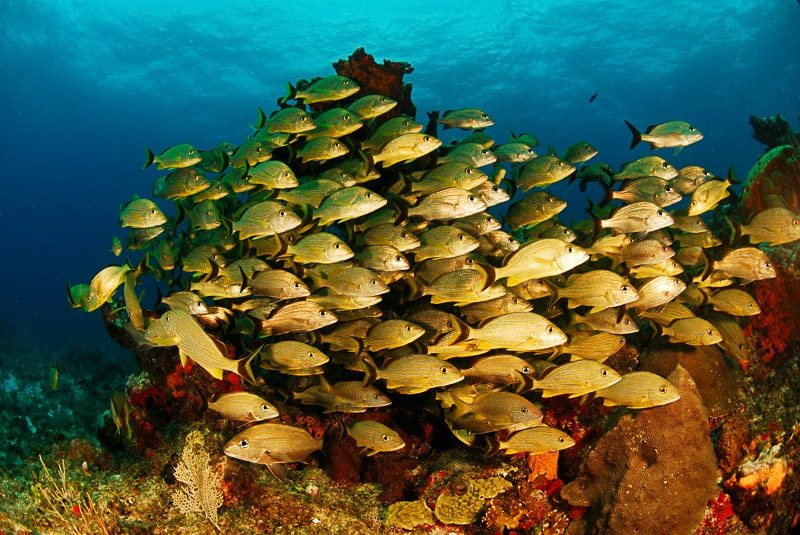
(216, 373)
(183, 356)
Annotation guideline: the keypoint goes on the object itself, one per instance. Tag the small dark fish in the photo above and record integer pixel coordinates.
(594, 96)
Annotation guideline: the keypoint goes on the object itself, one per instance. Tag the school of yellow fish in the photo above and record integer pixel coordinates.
(363, 259)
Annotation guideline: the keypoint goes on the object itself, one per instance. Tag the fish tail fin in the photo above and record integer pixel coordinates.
(608, 193)
(203, 407)
(369, 367)
(150, 159)
(415, 288)
(489, 272)
(732, 178)
(736, 230)
(245, 366)
(637, 136)
(492, 445)
(72, 302)
(262, 119)
(461, 329)
(709, 268)
(598, 223)
(554, 297)
(291, 93)
(433, 121)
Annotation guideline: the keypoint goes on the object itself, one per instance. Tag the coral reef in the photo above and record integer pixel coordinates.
(773, 131)
(385, 79)
(664, 452)
(651, 470)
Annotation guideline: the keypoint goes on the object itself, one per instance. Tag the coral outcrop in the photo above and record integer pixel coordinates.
(773, 131)
(653, 472)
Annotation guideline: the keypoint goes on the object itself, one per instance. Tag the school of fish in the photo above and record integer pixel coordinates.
(353, 259)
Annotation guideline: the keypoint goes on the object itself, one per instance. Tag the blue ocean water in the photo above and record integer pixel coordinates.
(88, 85)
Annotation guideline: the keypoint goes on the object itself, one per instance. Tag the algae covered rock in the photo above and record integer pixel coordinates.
(653, 472)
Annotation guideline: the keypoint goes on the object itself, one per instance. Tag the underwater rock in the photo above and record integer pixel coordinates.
(772, 131)
(653, 472)
(386, 80)
(773, 182)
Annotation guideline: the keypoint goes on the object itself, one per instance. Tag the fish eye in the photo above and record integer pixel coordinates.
(296, 284)
(741, 345)
(282, 213)
(693, 203)
(243, 443)
(408, 328)
(336, 246)
(668, 189)
(469, 261)
(624, 288)
(264, 407)
(311, 354)
(524, 409)
(368, 195)
(461, 237)
(514, 300)
(750, 304)
(397, 258)
(426, 138)
(153, 211)
(471, 198)
(191, 151)
(767, 265)
(662, 389)
(322, 313)
(259, 149)
(604, 373)
(345, 82)
(570, 250)
(560, 164)
(692, 129)
(406, 123)
(550, 330)
(561, 440)
(373, 282)
(709, 332)
(525, 370)
(468, 171)
(443, 369)
(337, 145)
(660, 213)
(385, 438)
(303, 118)
(794, 222)
(345, 117)
(404, 235)
(664, 165)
